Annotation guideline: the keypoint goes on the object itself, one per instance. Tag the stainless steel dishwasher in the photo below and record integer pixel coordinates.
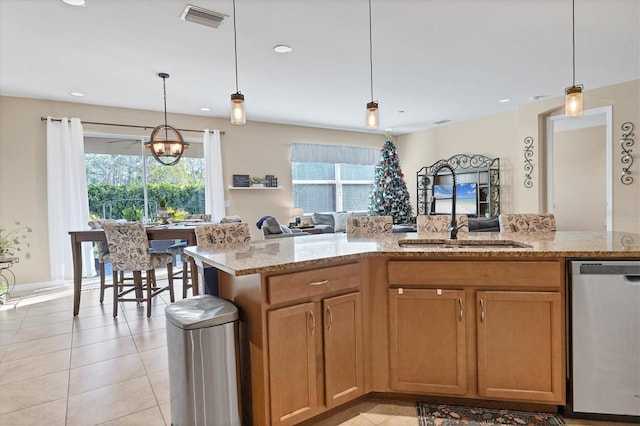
(604, 349)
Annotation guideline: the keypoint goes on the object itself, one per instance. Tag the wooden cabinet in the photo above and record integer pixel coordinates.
(343, 358)
(315, 357)
(293, 344)
(427, 341)
(508, 338)
(520, 345)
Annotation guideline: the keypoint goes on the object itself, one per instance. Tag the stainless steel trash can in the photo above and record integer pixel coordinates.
(202, 336)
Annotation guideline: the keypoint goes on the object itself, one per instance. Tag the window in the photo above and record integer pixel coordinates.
(332, 178)
(124, 181)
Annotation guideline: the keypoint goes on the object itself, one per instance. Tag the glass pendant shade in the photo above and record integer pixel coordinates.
(166, 145)
(237, 109)
(372, 115)
(573, 101)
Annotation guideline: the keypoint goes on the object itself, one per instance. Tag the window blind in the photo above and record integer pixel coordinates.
(314, 153)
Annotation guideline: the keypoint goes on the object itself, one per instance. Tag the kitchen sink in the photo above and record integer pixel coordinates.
(441, 243)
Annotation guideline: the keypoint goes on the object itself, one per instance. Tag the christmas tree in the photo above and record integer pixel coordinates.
(389, 196)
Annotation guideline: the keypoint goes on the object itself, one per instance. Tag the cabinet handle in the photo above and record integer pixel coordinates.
(313, 322)
(329, 317)
(481, 310)
(461, 311)
(323, 282)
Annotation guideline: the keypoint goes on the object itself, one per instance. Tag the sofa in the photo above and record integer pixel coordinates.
(271, 228)
(331, 222)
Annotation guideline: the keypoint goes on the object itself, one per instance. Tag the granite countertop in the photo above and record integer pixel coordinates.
(281, 254)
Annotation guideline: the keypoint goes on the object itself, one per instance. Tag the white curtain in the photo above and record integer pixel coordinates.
(68, 202)
(214, 186)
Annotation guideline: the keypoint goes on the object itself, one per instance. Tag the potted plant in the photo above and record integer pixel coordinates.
(257, 182)
(13, 241)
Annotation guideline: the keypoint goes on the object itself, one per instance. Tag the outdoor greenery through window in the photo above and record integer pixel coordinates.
(123, 182)
(333, 183)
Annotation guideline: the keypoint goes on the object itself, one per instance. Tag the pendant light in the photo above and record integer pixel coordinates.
(166, 143)
(573, 98)
(237, 99)
(372, 107)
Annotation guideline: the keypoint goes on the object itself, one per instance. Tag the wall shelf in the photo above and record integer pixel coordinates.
(254, 187)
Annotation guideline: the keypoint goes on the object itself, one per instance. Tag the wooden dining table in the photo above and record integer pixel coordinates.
(159, 232)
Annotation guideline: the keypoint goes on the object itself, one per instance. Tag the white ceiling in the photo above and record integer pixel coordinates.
(432, 59)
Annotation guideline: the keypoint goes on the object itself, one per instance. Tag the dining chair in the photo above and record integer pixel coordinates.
(368, 226)
(129, 251)
(441, 223)
(103, 257)
(527, 222)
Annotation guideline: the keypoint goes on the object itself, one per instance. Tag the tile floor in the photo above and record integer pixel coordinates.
(96, 370)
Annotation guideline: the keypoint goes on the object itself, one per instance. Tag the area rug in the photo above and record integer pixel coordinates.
(445, 415)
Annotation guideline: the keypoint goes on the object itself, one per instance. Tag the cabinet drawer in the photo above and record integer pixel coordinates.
(301, 285)
(548, 274)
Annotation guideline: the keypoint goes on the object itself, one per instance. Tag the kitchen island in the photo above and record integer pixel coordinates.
(327, 319)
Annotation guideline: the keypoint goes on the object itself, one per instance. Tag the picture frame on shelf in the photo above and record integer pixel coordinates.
(241, 181)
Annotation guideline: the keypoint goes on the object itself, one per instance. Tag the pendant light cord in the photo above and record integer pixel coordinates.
(370, 52)
(235, 43)
(164, 88)
(573, 33)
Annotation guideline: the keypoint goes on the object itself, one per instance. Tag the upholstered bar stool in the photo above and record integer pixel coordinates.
(369, 226)
(129, 251)
(218, 237)
(177, 249)
(441, 223)
(527, 222)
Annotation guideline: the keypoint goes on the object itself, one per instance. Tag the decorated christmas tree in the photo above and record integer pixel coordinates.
(389, 196)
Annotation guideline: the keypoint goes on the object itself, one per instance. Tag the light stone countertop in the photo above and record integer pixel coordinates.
(318, 250)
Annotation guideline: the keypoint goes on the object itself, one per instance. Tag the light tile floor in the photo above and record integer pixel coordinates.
(97, 370)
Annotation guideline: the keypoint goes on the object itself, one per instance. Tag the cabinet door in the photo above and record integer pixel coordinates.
(427, 341)
(344, 378)
(292, 362)
(520, 346)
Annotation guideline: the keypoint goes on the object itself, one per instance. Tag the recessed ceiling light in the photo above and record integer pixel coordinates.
(74, 2)
(504, 100)
(282, 48)
(77, 94)
(205, 109)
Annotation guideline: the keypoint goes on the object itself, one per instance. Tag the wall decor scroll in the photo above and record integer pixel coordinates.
(626, 142)
(528, 163)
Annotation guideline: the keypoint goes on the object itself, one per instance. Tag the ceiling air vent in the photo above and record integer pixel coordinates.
(203, 16)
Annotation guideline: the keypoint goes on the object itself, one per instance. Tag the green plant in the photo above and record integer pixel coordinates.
(132, 214)
(163, 202)
(13, 241)
(257, 180)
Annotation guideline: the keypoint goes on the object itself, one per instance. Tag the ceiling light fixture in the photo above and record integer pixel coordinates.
(205, 109)
(166, 149)
(573, 98)
(77, 94)
(372, 107)
(74, 2)
(237, 99)
(282, 48)
(502, 101)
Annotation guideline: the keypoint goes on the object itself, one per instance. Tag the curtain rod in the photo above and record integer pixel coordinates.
(128, 125)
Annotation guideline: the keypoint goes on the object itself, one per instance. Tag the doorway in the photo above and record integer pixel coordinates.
(579, 170)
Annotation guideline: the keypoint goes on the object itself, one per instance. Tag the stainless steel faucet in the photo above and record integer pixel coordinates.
(453, 226)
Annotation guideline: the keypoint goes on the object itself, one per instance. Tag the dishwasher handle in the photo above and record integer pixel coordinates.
(604, 269)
